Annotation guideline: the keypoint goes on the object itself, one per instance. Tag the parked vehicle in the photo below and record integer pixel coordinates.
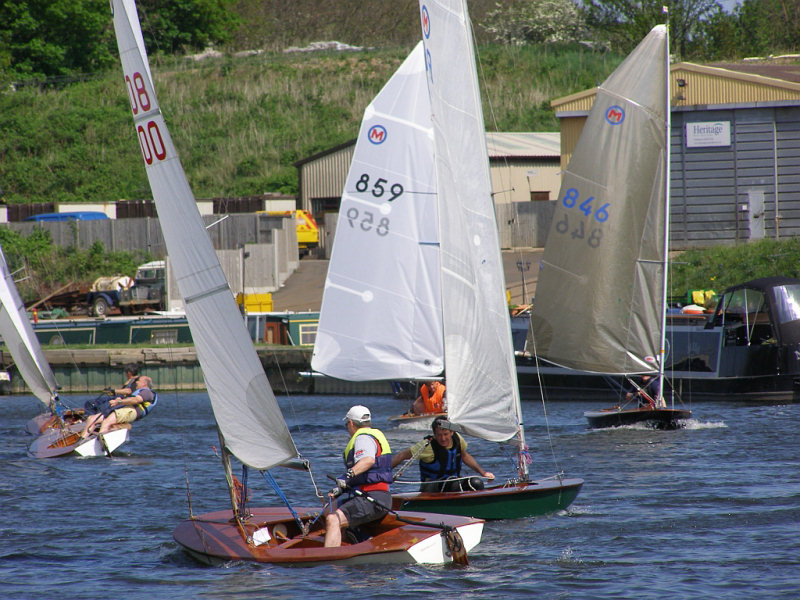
(148, 291)
(84, 215)
(307, 228)
(104, 294)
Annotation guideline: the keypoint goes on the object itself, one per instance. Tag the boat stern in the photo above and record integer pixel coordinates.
(436, 549)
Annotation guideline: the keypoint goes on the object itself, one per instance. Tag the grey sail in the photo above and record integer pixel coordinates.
(599, 297)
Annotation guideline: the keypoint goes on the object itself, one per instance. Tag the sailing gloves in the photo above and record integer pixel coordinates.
(342, 483)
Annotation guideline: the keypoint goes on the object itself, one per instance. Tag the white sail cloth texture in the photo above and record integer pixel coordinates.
(381, 315)
(21, 341)
(245, 408)
(482, 394)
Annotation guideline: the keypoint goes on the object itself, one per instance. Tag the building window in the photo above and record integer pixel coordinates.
(308, 334)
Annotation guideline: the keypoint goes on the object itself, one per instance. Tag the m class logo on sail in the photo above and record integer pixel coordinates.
(377, 134)
(615, 115)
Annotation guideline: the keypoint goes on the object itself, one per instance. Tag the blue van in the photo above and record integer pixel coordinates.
(85, 215)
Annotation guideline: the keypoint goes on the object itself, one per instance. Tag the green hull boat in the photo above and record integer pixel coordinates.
(515, 501)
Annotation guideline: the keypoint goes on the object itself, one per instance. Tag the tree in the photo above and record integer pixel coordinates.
(53, 37)
(56, 38)
(179, 25)
(535, 21)
(627, 22)
(768, 26)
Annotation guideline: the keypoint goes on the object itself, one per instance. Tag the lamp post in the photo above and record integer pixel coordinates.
(524, 266)
(245, 255)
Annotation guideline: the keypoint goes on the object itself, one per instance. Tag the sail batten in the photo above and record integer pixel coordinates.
(245, 408)
(608, 229)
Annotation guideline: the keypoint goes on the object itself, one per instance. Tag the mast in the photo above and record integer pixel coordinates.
(665, 254)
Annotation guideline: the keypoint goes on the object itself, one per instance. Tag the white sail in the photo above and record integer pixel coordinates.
(21, 340)
(599, 297)
(381, 315)
(482, 394)
(245, 408)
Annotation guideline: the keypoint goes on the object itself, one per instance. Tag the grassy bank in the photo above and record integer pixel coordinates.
(239, 123)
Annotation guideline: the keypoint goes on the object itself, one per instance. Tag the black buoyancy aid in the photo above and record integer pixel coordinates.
(379, 475)
(446, 463)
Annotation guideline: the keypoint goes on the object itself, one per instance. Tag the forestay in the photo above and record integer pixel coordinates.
(381, 315)
(244, 405)
(482, 394)
(600, 291)
(21, 341)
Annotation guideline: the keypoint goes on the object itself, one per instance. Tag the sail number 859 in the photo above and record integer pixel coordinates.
(379, 187)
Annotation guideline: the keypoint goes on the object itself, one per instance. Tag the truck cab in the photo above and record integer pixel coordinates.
(148, 292)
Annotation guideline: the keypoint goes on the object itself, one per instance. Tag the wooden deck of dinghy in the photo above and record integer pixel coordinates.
(214, 538)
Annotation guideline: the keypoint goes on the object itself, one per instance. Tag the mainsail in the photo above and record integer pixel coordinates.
(599, 297)
(381, 315)
(21, 340)
(245, 408)
(482, 394)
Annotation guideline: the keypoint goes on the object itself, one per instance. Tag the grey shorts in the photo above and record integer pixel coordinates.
(359, 510)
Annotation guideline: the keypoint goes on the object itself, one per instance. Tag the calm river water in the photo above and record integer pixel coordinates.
(711, 511)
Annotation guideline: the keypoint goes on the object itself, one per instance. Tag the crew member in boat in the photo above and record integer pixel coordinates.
(440, 458)
(430, 399)
(124, 409)
(647, 392)
(368, 460)
(101, 403)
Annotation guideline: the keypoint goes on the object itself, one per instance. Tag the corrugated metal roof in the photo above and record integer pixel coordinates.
(523, 144)
(745, 83)
(499, 144)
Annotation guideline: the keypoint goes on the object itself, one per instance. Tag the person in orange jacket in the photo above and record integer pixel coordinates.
(430, 399)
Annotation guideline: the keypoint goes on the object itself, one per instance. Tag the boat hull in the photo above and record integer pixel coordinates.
(214, 538)
(657, 418)
(59, 442)
(413, 421)
(526, 499)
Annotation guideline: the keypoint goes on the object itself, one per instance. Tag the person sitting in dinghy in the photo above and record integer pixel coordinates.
(367, 458)
(101, 404)
(440, 457)
(124, 409)
(430, 400)
(647, 392)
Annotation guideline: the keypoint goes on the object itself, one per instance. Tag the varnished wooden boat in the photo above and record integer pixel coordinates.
(214, 538)
(62, 441)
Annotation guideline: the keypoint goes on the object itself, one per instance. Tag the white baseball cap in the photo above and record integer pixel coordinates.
(358, 413)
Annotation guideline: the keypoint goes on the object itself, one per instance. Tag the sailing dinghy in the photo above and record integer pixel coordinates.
(249, 421)
(57, 429)
(439, 236)
(601, 296)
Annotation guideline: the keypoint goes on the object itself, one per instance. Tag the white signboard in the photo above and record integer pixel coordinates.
(710, 133)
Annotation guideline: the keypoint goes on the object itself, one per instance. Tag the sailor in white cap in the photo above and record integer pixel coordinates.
(368, 460)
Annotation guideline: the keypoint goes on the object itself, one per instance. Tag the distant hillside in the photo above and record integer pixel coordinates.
(241, 121)
(275, 25)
